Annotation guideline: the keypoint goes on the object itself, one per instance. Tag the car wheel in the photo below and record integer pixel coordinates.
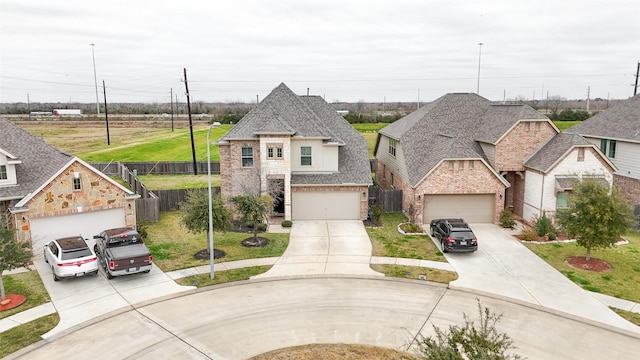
(55, 277)
(431, 231)
(147, 271)
(444, 248)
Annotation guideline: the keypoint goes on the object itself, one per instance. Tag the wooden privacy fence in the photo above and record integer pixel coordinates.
(157, 168)
(170, 199)
(390, 200)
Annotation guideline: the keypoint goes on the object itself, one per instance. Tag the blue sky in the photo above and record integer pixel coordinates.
(343, 50)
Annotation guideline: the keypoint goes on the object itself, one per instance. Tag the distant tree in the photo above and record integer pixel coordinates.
(554, 103)
(194, 213)
(596, 216)
(253, 208)
(472, 341)
(13, 253)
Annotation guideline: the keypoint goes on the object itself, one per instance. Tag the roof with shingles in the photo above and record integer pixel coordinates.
(284, 112)
(621, 121)
(39, 160)
(450, 128)
(553, 150)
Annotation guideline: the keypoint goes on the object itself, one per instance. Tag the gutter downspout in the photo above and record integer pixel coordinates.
(541, 196)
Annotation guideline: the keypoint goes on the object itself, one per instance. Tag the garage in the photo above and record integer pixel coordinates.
(474, 208)
(86, 224)
(324, 205)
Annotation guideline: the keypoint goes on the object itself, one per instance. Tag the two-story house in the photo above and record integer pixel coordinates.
(464, 156)
(47, 194)
(302, 153)
(616, 131)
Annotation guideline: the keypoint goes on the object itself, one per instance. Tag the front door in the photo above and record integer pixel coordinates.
(276, 191)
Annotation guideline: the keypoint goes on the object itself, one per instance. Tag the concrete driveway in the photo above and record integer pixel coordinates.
(241, 320)
(85, 298)
(504, 267)
(325, 247)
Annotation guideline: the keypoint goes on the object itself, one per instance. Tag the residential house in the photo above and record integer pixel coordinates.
(553, 170)
(464, 156)
(300, 151)
(47, 194)
(616, 131)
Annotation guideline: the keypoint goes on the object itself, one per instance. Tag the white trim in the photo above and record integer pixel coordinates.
(30, 196)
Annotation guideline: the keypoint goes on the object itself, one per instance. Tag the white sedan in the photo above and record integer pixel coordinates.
(70, 257)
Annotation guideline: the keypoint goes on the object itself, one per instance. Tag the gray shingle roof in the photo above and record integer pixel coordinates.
(619, 122)
(282, 111)
(450, 128)
(40, 161)
(545, 158)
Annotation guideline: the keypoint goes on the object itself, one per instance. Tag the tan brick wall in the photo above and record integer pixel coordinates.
(520, 143)
(59, 198)
(235, 179)
(630, 187)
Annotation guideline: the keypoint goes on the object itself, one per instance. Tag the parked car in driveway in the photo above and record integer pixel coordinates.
(454, 235)
(70, 257)
(122, 252)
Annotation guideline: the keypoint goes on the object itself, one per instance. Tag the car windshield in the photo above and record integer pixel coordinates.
(75, 253)
(462, 234)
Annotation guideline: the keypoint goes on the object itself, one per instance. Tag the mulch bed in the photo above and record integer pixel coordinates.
(204, 254)
(580, 262)
(255, 242)
(16, 300)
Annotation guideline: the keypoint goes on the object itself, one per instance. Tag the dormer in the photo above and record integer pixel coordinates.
(8, 164)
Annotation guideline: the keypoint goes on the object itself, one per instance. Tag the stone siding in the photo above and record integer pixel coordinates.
(235, 179)
(630, 187)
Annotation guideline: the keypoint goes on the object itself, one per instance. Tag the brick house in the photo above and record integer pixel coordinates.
(297, 149)
(616, 132)
(464, 156)
(47, 194)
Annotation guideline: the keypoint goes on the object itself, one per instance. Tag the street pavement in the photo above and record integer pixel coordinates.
(335, 297)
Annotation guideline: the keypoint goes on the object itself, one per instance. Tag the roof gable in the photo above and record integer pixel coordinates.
(39, 160)
(554, 150)
(621, 121)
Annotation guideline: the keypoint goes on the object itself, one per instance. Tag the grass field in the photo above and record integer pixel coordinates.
(622, 281)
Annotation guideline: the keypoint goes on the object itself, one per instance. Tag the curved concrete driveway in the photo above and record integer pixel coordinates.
(505, 267)
(240, 320)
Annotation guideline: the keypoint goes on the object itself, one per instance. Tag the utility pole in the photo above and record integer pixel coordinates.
(95, 78)
(28, 106)
(479, 58)
(106, 113)
(193, 146)
(635, 89)
(588, 96)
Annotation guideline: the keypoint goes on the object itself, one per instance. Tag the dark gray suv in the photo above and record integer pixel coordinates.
(454, 235)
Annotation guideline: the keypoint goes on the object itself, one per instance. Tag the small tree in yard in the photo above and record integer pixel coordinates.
(471, 341)
(194, 212)
(13, 253)
(253, 208)
(596, 216)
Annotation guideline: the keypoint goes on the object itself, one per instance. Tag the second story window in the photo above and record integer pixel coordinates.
(274, 151)
(392, 147)
(305, 156)
(3, 172)
(247, 157)
(77, 183)
(612, 149)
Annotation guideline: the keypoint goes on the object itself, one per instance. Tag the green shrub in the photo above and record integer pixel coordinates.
(376, 212)
(528, 234)
(287, 223)
(506, 219)
(544, 226)
(411, 228)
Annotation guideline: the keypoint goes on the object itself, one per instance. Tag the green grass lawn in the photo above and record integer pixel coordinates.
(173, 248)
(564, 125)
(387, 241)
(28, 284)
(622, 281)
(174, 182)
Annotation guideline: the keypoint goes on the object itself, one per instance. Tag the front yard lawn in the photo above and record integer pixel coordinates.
(622, 281)
(387, 241)
(173, 248)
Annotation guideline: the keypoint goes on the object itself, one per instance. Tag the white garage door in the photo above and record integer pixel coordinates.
(475, 208)
(86, 224)
(325, 205)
